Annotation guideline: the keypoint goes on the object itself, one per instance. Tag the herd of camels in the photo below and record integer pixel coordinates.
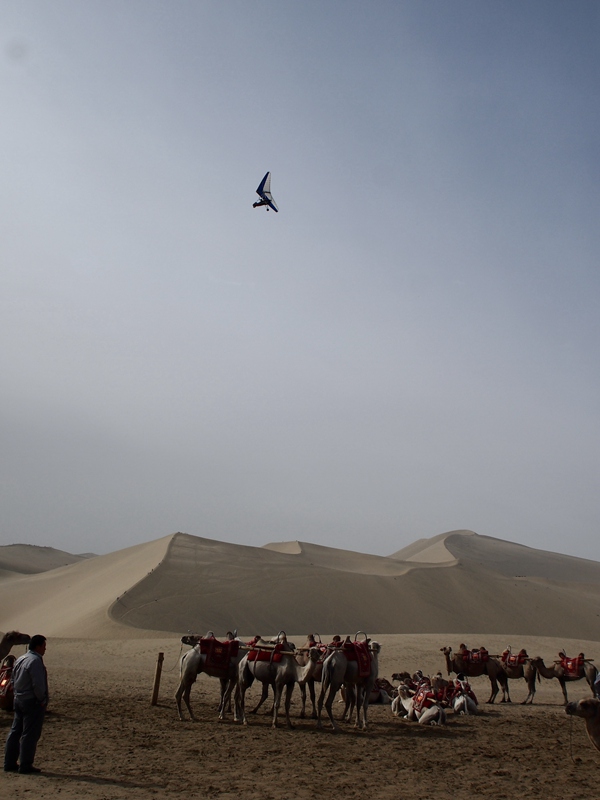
(336, 668)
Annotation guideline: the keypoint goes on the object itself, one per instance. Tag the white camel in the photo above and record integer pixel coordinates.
(338, 670)
(193, 663)
(430, 712)
(302, 659)
(463, 698)
(279, 674)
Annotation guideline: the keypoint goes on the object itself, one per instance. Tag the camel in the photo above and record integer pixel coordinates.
(10, 640)
(463, 698)
(405, 704)
(589, 710)
(588, 671)
(302, 659)
(338, 670)
(527, 671)
(492, 668)
(193, 663)
(278, 674)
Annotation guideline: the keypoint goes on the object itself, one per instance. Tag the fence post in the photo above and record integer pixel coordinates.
(159, 663)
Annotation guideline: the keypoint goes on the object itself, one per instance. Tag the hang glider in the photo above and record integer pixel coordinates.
(264, 192)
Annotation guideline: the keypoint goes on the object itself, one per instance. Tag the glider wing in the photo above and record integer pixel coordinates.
(264, 191)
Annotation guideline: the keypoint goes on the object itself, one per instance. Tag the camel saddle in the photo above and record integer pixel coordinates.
(477, 656)
(424, 698)
(218, 654)
(6, 689)
(572, 666)
(514, 659)
(359, 652)
(272, 656)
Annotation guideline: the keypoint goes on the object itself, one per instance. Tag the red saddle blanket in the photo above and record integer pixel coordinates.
(359, 652)
(6, 691)
(480, 656)
(218, 654)
(266, 655)
(424, 698)
(572, 666)
(514, 659)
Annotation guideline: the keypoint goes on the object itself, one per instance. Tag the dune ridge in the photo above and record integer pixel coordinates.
(457, 581)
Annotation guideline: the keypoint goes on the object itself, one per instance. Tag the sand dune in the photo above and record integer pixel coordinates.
(28, 559)
(458, 581)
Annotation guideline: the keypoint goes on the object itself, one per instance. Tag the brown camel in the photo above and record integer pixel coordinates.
(10, 639)
(525, 670)
(589, 710)
(587, 671)
(492, 668)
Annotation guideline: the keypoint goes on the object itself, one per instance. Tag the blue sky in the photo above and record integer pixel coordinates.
(409, 347)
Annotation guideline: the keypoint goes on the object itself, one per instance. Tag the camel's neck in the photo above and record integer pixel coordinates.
(306, 672)
(544, 671)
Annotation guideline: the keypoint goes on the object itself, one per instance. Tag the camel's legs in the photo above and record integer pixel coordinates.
(530, 690)
(464, 705)
(263, 697)
(185, 692)
(505, 693)
(433, 716)
(278, 688)
(227, 688)
(563, 686)
(495, 689)
(289, 689)
(245, 681)
(362, 704)
(311, 689)
(302, 700)
(349, 695)
(313, 699)
(330, 691)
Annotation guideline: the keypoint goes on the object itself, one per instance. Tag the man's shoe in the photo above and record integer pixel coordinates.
(15, 768)
(31, 770)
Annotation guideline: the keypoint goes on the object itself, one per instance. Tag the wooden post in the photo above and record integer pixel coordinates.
(159, 663)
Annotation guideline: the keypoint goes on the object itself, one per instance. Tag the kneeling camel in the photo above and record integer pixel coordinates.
(589, 710)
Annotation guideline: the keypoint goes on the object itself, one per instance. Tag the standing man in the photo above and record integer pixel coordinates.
(30, 684)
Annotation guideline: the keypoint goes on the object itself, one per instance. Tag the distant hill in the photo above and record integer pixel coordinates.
(28, 559)
(455, 582)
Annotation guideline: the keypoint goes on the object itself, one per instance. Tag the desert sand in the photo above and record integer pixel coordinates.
(107, 617)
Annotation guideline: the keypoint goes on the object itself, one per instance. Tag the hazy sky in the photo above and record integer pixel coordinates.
(410, 346)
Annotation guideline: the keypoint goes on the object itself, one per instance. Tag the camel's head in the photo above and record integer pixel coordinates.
(375, 648)
(404, 692)
(314, 654)
(401, 676)
(191, 638)
(438, 682)
(15, 637)
(588, 708)
(446, 650)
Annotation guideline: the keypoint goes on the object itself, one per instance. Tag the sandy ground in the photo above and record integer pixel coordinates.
(103, 739)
